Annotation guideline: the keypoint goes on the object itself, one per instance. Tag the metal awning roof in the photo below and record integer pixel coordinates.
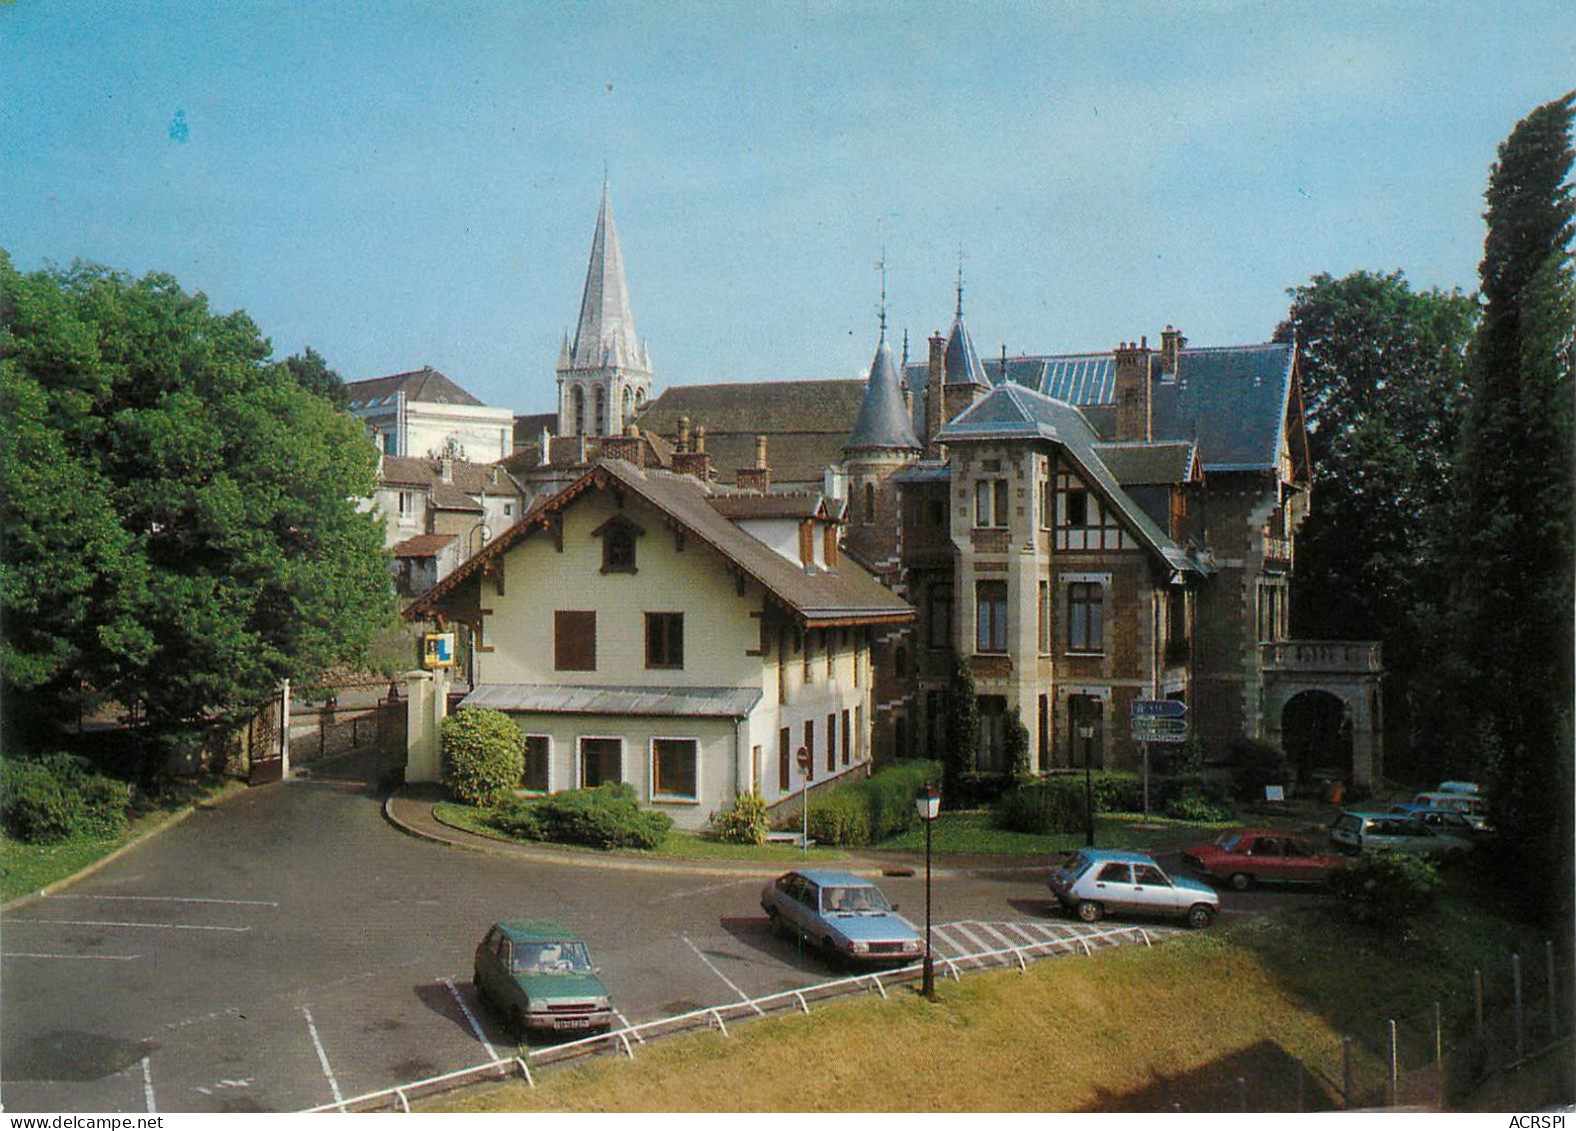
(586, 699)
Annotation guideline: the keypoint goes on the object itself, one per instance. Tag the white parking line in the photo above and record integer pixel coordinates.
(469, 1016)
(112, 923)
(171, 899)
(708, 889)
(75, 957)
(742, 995)
(147, 1086)
(1005, 941)
(322, 1057)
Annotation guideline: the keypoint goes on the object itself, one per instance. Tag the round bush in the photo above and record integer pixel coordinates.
(60, 797)
(483, 756)
(840, 817)
(1387, 888)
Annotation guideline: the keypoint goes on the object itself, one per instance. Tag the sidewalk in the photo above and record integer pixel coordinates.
(411, 811)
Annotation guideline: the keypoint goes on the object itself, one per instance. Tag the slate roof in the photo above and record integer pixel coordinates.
(605, 334)
(819, 598)
(423, 545)
(564, 451)
(1139, 464)
(425, 384)
(470, 479)
(961, 365)
(590, 699)
(883, 420)
(806, 423)
(1233, 401)
(1011, 411)
(795, 504)
(528, 429)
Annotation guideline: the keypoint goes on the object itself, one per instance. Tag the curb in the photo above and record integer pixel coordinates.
(103, 861)
(467, 841)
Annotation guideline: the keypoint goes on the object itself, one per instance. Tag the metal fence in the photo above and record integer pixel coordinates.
(717, 1016)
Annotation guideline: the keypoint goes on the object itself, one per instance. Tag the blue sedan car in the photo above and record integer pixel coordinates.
(845, 915)
(1094, 883)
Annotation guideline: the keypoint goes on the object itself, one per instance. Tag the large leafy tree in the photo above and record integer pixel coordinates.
(1382, 369)
(180, 530)
(1512, 597)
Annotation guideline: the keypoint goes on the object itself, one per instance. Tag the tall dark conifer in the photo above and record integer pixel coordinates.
(1513, 574)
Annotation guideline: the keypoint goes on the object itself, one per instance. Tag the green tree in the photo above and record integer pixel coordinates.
(961, 733)
(180, 530)
(312, 373)
(1383, 381)
(1513, 565)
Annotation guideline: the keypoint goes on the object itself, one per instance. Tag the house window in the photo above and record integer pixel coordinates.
(991, 751)
(809, 749)
(533, 778)
(618, 536)
(859, 731)
(508, 510)
(1085, 617)
(574, 641)
(601, 411)
(664, 640)
(784, 760)
(407, 508)
(1047, 505)
(845, 736)
(674, 769)
(830, 642)
(601, 760)
(940, 619)
(1075, 507)
(1084, 522)
(870, 503)
(936, 511)
(990, 502)
(831, 742)
(579, 398)
(990, 616)
(1045, 618)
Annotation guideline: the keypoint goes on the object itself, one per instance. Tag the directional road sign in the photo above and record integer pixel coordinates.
(1158, 709)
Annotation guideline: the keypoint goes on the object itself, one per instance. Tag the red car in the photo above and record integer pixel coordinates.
(1244, 857)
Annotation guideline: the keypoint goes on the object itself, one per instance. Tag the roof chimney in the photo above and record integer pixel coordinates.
(446, 469)
(683, 442)
(700, 438)
(759, 477)
(545, 456)
(1134, 392)
(1172, 343)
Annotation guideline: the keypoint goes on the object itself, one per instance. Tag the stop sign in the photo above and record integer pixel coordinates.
(804, 757)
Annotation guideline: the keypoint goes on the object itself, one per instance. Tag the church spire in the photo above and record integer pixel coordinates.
(605, 334)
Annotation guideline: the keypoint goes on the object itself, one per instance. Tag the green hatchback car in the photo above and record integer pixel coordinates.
(539, 976)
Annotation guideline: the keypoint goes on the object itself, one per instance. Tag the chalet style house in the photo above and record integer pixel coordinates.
(645, 626)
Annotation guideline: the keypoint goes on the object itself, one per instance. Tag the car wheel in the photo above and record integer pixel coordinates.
(1200, 915)
(1090, 911)
(1240, 881)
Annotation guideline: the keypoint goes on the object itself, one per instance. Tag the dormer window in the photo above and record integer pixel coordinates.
(618, 536)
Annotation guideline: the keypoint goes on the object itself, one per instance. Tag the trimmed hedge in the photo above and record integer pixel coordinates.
(483, 756)
(59, 797)
(871, 809)
(608, 816)
(1057, 804)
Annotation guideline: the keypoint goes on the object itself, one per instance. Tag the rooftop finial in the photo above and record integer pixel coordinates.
(960, 281)
(883, 292)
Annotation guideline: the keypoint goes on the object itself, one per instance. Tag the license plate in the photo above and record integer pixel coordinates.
(572, 1023)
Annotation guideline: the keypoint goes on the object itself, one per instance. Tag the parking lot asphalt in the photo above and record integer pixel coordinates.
(289, 948)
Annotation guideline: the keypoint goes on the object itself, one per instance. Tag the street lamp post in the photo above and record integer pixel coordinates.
(928, 804)
(1086, 733)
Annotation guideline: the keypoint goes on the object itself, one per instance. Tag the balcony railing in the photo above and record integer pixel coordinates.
(1322, 656)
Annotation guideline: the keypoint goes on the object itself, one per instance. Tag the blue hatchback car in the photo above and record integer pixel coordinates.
(1093, 883)
(844, 914)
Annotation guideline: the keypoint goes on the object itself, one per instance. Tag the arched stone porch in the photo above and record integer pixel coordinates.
(1351, 671)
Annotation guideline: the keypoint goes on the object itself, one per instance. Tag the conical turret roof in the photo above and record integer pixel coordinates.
(605, 335)
(961, 365)
(883, 420)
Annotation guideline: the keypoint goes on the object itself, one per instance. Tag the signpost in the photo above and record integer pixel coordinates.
(1157, 720)
(802, 756)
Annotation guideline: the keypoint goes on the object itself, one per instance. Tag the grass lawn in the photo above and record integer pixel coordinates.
(1130, 1029)
(32, 867)
(678, 845)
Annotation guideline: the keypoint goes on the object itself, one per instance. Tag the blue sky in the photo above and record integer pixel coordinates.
(399, 184)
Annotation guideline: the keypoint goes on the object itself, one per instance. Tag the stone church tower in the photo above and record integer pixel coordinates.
(604, 373)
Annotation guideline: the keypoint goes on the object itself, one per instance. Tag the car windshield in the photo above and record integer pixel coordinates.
(1229, 841)
(567, 956)
(853, 900)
